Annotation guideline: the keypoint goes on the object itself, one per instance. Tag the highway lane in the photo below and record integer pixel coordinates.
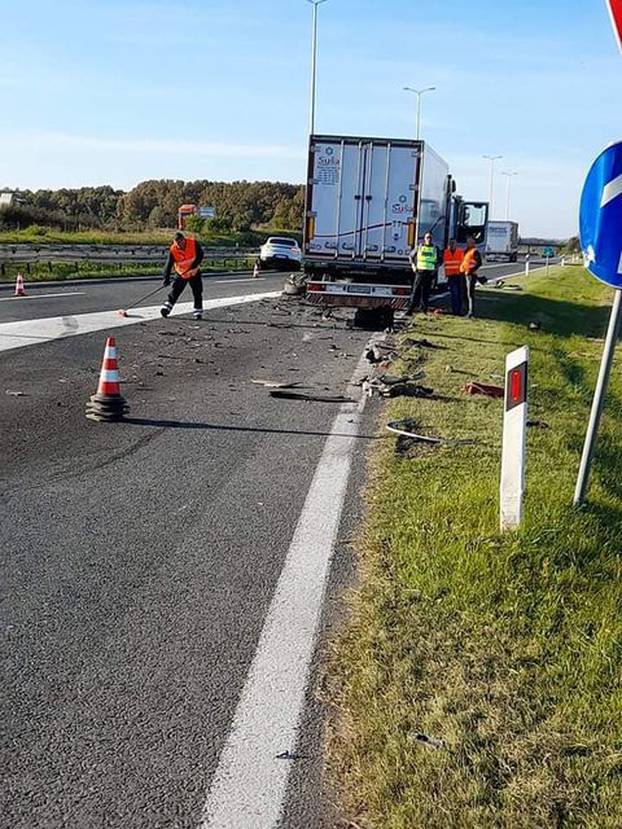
(46, 300)
(51, 300)
(139, 559)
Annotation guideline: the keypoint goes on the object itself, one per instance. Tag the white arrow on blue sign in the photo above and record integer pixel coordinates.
(600, 217)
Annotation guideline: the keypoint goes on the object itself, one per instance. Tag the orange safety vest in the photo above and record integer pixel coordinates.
(468, 264)
(184, 258)
(452, 261)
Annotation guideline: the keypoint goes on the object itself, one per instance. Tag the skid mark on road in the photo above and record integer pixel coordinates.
(29, 332)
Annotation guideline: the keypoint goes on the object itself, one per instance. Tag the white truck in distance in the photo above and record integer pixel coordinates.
(502, 241)
(368, 200)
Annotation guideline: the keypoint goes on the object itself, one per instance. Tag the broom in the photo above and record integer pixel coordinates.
(123, 312)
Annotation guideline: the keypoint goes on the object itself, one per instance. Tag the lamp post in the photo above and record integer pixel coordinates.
(315, 4)
(419, 93)
(509, 177)
(492, 159)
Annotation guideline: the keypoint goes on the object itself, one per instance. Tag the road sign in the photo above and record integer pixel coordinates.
(615, 11)
(207, 212)
(548, 252)
(514, 451)
(600, 217)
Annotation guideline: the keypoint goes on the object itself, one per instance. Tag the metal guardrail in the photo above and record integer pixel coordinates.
(106, 253)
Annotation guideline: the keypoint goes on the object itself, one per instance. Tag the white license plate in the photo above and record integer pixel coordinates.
(359, 289)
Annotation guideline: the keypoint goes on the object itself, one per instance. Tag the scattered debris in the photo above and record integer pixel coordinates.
(424, 343)
(485, 389)
(534, 325)
(275, 384)
(317, 398)
(16, 393)
(295, 284)
(405, 428)
(432, 743)
(538, 424)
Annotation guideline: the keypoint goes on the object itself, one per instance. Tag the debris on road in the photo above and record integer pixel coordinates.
(15, 393)
(316, 398)
(274, 384)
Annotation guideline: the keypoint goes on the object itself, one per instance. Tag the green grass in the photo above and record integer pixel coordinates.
(507, 648)
(46, 235)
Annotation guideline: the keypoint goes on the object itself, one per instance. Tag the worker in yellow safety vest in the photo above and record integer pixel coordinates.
(184, 257)
(425, 261)
(452, 259)
(470, 266)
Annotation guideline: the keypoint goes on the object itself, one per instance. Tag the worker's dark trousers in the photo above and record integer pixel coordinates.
(471, 282)
(421, 289)
(196, 285)
(456, 292)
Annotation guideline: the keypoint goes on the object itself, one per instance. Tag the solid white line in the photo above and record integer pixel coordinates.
(244, 279)
(41, 296)
(249, 786)
(30, 332)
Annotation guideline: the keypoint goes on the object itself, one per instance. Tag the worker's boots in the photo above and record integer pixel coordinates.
(197, 314)
(166, 309)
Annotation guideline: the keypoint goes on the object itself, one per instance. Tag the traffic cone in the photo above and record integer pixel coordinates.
(19, 286)
(107, 404)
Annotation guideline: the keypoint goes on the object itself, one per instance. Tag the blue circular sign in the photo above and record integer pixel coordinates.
(600, 217)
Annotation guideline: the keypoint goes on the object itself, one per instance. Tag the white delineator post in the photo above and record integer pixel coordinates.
(526, 264)
(514, 452)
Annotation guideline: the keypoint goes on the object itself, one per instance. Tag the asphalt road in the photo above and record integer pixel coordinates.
(63, 299)
(139, 559)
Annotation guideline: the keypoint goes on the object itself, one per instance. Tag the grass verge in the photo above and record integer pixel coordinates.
(36, 234)
(478, 681)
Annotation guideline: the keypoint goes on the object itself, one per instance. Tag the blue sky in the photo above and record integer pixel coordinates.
(120, 91)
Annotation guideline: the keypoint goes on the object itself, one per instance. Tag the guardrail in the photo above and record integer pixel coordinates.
(48, 270)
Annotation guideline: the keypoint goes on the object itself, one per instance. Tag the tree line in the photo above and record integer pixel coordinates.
(239, 205)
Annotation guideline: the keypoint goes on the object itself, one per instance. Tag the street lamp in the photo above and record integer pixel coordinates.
(419, 93)
(509, 176)
(492, 159)
(315, 4)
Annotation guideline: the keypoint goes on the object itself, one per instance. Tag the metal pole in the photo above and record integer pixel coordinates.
(419, 93)
(492, 159)
(599, 400)
(315, 4)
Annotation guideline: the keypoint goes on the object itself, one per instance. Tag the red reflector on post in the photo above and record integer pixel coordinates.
(316, 286)
(516, 386)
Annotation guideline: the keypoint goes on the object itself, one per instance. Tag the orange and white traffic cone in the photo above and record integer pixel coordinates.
(107, 404)
(19, 286)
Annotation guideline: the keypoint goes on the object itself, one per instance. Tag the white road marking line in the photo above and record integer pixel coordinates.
(40, 296)
(29, 332)
(249, 786)
(244, 279)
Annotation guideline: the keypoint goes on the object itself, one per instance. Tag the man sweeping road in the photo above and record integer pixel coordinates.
(185, 256)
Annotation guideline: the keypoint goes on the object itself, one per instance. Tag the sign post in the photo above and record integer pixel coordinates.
(600, 221)
(514, 451)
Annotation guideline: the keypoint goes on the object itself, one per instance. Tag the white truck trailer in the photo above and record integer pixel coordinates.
(368, 201)
(502, 241)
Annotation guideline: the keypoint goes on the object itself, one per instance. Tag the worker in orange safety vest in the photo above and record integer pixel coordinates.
(452, 259)
(470, 266)
(184, 257)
